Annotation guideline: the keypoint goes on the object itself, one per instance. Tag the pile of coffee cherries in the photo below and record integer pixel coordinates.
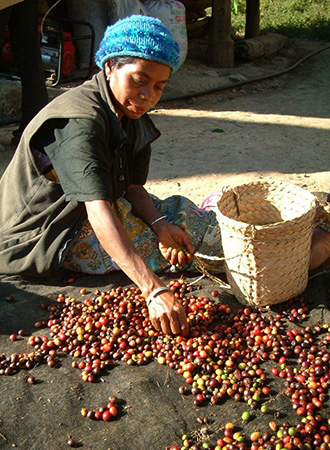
(221, 359)
(105, 413)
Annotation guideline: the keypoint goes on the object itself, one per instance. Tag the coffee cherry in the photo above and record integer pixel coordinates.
(72, 443)
(246, 416)
(31, 379)
(106, 416)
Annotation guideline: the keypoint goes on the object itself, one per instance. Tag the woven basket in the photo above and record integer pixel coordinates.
(266, 231)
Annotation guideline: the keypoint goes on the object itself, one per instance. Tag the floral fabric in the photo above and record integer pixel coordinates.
(87, 255)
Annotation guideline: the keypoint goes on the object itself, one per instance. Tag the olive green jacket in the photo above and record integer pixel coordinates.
(36, 221)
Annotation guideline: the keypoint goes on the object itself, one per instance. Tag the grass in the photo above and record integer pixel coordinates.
(293, 18)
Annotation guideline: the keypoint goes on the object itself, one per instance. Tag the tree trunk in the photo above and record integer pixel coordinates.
(252, 23)
(220, 52)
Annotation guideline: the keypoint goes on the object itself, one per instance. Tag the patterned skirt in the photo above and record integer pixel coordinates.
(86, 254)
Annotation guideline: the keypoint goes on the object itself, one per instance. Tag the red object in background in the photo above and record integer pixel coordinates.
(6, 56)
(50, 38)
(50, 45)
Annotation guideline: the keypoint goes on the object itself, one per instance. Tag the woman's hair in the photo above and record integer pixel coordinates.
(120, 61)
(140, 37)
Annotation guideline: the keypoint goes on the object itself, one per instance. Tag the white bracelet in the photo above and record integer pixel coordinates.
(155, 292)
(157, 220)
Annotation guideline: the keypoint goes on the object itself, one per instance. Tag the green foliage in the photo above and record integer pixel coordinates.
(293, 18)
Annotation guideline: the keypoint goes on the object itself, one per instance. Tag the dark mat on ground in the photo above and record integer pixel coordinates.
(153, 415)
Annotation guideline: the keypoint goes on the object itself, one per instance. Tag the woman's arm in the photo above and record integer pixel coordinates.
(320, 250)
(142, 204)
(172, 239)
(166, 312)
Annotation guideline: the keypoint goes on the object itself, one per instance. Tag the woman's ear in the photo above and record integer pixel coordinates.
(107, 68)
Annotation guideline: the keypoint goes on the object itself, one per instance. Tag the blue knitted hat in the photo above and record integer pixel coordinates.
(140, 36)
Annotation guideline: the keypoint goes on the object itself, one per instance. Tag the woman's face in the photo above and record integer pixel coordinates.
(138, 86)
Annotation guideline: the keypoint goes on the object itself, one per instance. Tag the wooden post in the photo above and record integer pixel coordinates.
(252, 23)
(220, 52)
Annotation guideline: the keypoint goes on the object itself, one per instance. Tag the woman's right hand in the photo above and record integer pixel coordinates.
(167, 314)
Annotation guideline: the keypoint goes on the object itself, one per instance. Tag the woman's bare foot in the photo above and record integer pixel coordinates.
(320, 250)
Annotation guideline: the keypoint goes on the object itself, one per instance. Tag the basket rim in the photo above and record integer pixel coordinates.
(274, 225)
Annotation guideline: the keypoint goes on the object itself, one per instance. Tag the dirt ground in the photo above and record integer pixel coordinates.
(273, 130)
(276, 129)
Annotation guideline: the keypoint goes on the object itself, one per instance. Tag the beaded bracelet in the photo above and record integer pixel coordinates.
(157, 220)
(155, 292)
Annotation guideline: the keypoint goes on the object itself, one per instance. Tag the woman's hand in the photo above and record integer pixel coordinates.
(167, 314)
(174, 244)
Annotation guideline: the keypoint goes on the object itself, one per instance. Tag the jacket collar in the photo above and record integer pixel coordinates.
(90, 99)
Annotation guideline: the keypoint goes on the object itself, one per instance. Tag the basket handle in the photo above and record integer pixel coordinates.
(201, 267)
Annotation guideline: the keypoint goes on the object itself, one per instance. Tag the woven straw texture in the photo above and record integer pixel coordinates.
(266, 231)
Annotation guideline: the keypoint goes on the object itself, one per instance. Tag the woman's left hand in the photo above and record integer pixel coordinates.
(174, 244)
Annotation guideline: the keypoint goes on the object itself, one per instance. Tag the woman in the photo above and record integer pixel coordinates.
(79, 173)
(73, 194)
(320, 251)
